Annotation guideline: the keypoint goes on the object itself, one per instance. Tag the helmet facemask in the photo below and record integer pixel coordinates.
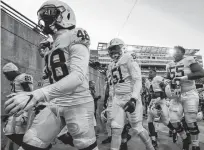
(48, 16)
(115, 52)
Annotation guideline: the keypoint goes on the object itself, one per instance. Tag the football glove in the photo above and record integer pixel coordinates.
(17, 104)
(130, 105)
(44, 44)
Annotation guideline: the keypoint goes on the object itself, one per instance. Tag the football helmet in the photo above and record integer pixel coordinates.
(10, 71)
(199, 116)
(115, 48)
(54, 15)
(9, 67)
(156, 110)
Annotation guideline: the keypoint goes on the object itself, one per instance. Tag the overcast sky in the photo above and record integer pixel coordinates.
(152, 22)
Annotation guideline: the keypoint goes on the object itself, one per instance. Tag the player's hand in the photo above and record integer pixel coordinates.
(45, 43)
(130, 105)
(183, 78)
(11, 95)
(14, 94)
(19, 103)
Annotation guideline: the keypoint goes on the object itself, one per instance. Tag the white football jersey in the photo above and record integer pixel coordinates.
(62, 60)
(182, 68)
(22, 78)
(122, 74)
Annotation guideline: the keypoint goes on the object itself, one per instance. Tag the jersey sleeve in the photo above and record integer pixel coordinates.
(79, 62)
(80, 36)
(135, 73)
(72, 37)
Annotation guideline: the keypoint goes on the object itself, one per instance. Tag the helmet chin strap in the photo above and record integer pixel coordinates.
(53, 28)
(50, 29)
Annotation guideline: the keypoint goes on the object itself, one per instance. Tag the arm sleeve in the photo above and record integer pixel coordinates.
(135, 73)
(78, 69)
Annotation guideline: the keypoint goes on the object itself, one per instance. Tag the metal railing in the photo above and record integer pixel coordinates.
(20, 17)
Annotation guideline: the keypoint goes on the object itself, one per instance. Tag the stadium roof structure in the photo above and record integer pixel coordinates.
(148, 49)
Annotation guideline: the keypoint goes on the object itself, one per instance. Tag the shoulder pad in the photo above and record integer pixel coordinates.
(63, 40)
(125, 58)
(71, 37)
(189, 60)
(80, 36)
(25, 78)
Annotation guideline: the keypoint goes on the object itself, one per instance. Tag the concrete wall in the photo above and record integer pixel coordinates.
(19, 45)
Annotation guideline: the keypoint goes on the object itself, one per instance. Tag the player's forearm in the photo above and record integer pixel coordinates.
(136, 88)
(195, 75)
(136, 78)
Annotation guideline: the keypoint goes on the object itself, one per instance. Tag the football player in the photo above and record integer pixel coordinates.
(15, 127)
(67, 64)
(44, 47)
(127, 84)
(107, 106)
(93, 93)
(184, 71)
(106, 116)
(96, 98)
(157, 107)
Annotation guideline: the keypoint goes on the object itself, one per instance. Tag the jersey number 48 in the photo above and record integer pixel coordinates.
(83, 34)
